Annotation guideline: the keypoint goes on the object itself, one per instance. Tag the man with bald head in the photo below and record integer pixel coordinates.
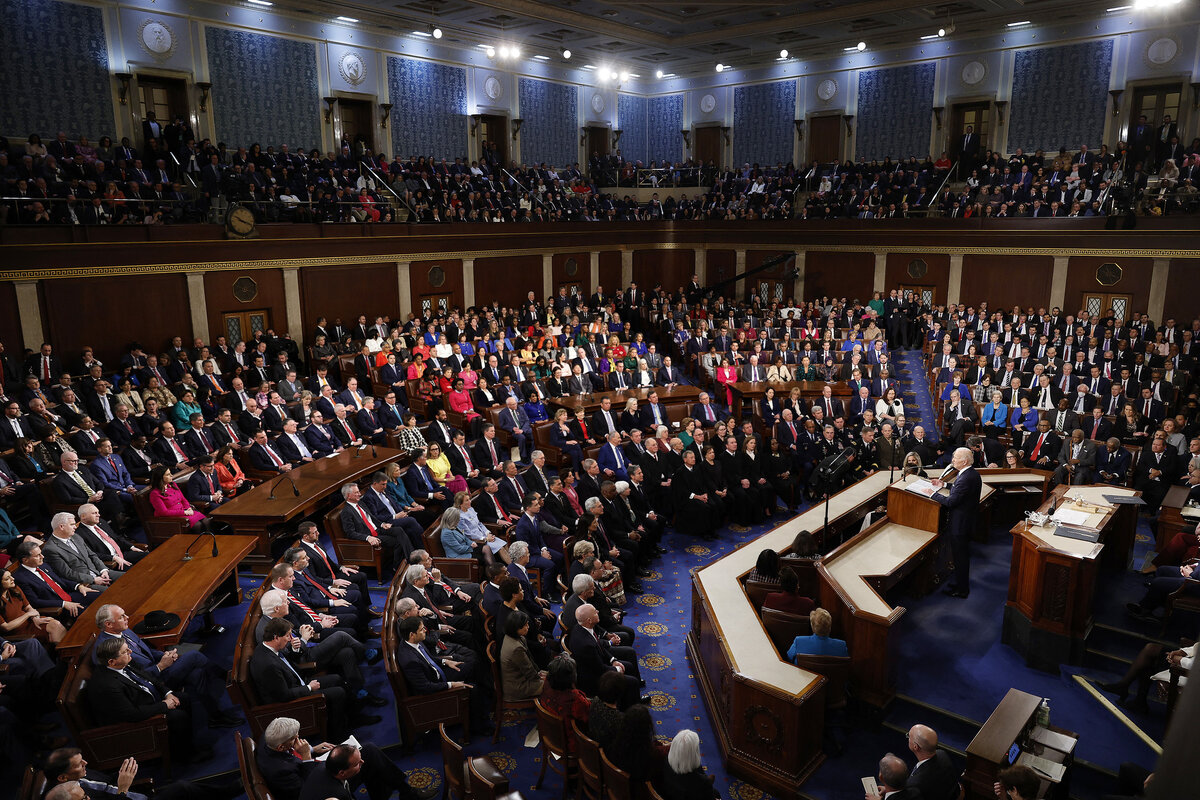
(934, 775)
(963, 505)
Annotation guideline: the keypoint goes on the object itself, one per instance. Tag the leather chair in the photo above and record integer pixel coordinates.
(461, 570)
(486, 780)
(252, 780)
(618, 784)
(455, 775)
(158, 529)
(352, 552)
(309, 711)
(591, 768)
(505, 709)
(783, 628)
(836, 670)
(107, 746)
(418, 713)
(552, 729)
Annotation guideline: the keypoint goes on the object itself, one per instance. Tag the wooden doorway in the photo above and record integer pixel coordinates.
(825, 139)
(598, 138)
(240, 326)
(166, 97)
(358, 123)
(925, 295)
(1107, 305)
(434, 305)
(493, 128)
(1157, 103)
(976, 116)
(709, 146)
(769, 290)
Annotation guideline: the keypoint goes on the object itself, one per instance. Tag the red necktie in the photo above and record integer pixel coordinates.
(108, 540)
(500, 510)
(178, 451)
(792, 428)
(828, 408)
(112, 464)
(293, 599)
(366, 519)
(58, 590)
(276, 460)
(492, 448)
(466, 458)
(325, 558)
(232, 436)
(320, 588)
(517, 485)
(46, 368)
(708, 412)
(347, 429)
(211, 488)
(1147, 412)
(1034, 455)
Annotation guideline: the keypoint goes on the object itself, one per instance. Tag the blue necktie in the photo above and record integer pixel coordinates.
(291, 669)
(431, 662)
(144, 685)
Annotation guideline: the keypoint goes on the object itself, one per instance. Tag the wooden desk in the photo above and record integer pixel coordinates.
(163, 581)
(768, 714)
(1052, 580)
(255, 513)
(753, 392)
(1170, 519)
(987, 753)
(680, 395)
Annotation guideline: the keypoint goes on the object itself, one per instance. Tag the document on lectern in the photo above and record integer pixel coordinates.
(922, 487)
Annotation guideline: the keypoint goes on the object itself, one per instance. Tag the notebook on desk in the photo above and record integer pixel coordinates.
(1055, 741)
(1043, 766)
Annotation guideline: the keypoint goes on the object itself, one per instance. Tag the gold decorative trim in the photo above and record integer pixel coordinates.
(394, 258)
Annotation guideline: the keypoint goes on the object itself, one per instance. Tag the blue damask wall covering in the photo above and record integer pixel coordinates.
(762, 123)
(56, 60)
(264, 89)
(550, 132)
(664, 120)
(1052, 80)
(895, 107)
(631, 119)
(429, 108)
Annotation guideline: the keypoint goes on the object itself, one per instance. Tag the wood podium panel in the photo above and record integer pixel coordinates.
(745, 391)
(768, 714)
(987, 753)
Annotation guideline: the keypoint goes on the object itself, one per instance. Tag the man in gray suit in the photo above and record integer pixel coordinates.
(1077, 460)
(72, 558)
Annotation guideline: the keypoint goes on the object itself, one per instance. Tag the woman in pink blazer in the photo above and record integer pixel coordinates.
(168, 500)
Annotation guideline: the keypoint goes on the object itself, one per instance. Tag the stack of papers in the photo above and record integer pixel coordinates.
(1069, 516)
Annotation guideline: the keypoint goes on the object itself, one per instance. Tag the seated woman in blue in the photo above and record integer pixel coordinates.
(995, 416)
(535, 409)
(819, 644)
(455, 542)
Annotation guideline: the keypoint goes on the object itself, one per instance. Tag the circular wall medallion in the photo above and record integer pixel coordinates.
(598, 103)
(917, 268)
(572, 267)
(1161, 51)
(245, 289)
(352, 67)
(708, 103)
(826, 89)
(157, 39)
(493, 88)
(437, 276)
(973, 72)
(1109, 274)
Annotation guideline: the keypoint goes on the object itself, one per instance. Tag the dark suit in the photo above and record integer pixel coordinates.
(275, 683)
(1155, 489)
(963, 505)
(935, 778)
(594, 656)
(396, 545)
(422, 678)
(261, 460)
(117, 698)
(40, 594)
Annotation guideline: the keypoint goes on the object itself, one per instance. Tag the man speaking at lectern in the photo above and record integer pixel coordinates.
(963, 503)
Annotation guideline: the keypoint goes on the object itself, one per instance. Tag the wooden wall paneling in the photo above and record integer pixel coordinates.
(219, 299)
(720, 265)
(507, 279)
(832, 274)
(348, 291)
(10, 323)
(1006, 281)
(671, 269)
(1183, 287)
(420, 283)
(937, 272)
(610, 272)
(582, 266)
(1081, 278)
(114, 311)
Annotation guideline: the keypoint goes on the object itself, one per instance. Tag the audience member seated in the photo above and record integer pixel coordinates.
(819, 642)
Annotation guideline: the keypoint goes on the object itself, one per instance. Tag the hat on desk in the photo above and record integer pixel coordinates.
(156, 622)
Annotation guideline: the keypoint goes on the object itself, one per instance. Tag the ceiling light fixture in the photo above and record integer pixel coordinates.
(566, 54)
(658, 73)
(504, 51)
(1018, 24)
(783, 53)
(860, 46)
(541, 58)
(437, 33)
(491, 51)
(624, 77)
(259, 2)
(423, 34)
(346, 19)
(1116, 9)
(720, 67)
(927, 37)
